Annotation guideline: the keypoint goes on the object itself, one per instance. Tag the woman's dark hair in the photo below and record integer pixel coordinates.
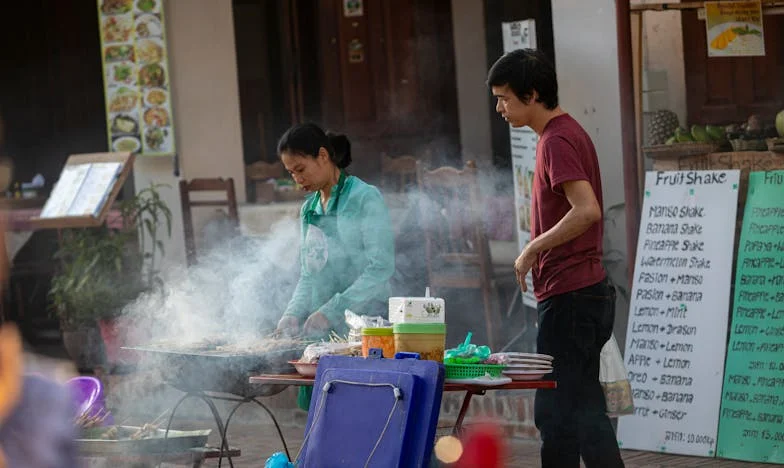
(306, 139)
(526, 71)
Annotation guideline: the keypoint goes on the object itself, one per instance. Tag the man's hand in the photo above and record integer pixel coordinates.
(316, 325)
(523, 265)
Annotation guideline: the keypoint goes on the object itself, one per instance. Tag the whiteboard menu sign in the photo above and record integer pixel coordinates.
(522, 35)
(751, 426)
(677, 332)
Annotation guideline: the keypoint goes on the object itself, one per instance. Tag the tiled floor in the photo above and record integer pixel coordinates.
(259, 441)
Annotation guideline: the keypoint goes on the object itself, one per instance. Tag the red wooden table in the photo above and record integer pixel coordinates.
(470, 389)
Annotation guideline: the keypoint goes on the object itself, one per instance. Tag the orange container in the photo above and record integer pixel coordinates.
(378, 338)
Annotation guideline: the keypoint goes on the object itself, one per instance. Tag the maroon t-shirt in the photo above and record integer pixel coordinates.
(565, 153)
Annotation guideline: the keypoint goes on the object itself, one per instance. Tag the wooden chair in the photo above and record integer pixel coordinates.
(205, 185)
(398, 174)
(456, 244)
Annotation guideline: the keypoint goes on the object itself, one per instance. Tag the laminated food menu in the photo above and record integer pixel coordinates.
(82, 190)
(136, 76)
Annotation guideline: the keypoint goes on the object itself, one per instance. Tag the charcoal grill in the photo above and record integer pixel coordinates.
(216, 375)
(219, 372)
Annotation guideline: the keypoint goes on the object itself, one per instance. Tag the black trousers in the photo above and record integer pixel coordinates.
(572, 418)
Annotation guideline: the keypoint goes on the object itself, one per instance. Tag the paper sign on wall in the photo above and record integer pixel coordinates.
(677, 329)
(734, 29)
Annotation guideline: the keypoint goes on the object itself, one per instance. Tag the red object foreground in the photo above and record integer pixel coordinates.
(484, 446)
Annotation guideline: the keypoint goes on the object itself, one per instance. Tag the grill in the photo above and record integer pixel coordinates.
(194, 371)
(224, 368)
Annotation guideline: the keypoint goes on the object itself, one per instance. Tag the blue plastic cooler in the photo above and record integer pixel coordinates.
(379, 413)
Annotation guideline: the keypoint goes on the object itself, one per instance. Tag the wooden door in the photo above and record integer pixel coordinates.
(388, 78)
(721, 90)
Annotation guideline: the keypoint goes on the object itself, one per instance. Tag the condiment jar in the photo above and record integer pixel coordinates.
(378, 338)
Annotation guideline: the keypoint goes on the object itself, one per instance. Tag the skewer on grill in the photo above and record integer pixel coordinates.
(86, 421)
(148, 429)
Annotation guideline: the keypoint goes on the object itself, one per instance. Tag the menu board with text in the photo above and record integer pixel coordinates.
(676, 336)
(136, 76)
(751, 424)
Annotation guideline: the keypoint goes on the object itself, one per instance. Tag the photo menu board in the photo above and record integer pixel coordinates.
(751, 424)
(136, 76)
(522, 35)
(524, 142)
(676, 336)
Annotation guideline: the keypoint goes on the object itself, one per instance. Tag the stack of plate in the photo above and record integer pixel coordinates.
(528, 366)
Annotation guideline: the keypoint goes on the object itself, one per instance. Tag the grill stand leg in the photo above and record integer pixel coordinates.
(221, 429)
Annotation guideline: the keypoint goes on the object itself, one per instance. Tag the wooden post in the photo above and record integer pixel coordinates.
(631, 184)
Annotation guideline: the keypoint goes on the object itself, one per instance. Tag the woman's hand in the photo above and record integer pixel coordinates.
(317, 324)
(288, 326)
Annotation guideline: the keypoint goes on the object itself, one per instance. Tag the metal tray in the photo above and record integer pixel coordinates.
(177, 442)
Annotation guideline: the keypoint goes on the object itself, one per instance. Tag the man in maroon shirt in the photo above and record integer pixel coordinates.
(575, 302)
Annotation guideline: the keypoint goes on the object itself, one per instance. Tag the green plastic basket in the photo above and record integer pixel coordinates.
(472, 371)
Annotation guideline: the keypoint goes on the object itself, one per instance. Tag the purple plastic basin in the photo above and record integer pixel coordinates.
(87, 394)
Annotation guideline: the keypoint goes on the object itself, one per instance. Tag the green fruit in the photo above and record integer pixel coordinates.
(670, 140)
(683, 136)
(699, 134)
(780, 123)
(716, 134)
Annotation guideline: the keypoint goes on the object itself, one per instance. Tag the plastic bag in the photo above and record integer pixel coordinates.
(314, 351)
(614, 381)
(467, 353)
(357, 322)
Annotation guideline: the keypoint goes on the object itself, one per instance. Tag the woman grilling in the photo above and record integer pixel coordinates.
(347, 253)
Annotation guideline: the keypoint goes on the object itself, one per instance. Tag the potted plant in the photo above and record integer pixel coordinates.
(102, 270)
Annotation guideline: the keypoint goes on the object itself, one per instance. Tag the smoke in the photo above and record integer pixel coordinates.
(416, 212)
(239, 287)
(241, 284)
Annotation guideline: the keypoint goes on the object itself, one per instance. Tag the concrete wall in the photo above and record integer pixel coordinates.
(586, 55)
(205, 97)
(468, 24)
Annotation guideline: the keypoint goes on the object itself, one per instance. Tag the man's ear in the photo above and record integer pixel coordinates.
(534, 97)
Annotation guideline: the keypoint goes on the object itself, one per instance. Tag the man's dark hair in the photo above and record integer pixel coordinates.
(526, 71)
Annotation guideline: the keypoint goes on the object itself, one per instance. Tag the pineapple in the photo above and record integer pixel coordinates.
(662, 126)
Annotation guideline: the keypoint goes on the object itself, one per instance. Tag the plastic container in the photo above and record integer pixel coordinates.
(427, 339)
(378, 338)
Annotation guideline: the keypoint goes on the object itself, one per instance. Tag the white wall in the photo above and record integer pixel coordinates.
(663, 52)
(205, 96)
(586, 60)
(468, 26)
